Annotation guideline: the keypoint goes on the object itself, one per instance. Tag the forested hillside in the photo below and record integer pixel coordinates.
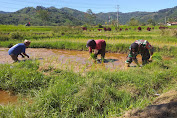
(65, 16)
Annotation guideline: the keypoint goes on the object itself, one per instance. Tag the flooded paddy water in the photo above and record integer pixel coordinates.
(68, 58)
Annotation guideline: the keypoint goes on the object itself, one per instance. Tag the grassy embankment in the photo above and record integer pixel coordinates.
(63, 93)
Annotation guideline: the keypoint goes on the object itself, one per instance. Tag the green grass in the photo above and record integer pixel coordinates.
(53, 92)
(97, 94)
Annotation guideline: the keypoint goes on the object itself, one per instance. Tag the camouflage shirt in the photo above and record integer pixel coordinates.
(143, 46)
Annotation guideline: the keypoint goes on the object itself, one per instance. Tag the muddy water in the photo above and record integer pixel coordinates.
(7, 98)
(69, 58)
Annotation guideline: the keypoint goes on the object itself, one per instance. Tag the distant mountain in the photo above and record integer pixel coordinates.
(2, 12)
(66, 16)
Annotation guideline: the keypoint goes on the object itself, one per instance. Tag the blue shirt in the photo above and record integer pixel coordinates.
(17, 49)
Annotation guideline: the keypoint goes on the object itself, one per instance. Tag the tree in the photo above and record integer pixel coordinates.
(151, 22)
(91, 16)
(43, 14)
(133, 22)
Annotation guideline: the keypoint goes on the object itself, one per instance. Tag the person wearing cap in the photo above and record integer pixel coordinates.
(99, 47)
(19, 49)
(142, 47)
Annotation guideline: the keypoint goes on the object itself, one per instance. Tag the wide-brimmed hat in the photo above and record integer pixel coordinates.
(27, 42)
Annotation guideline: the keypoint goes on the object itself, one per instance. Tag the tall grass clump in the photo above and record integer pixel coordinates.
(121, 48)
(94, 94)
(21, 77)
(64, 30)
(169, 32)
(4, 37)
(8, 44)
(59, 45)
(16, 35)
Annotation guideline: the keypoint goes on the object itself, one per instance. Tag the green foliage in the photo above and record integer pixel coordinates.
(59, 45)
(4, 37)
(21, 77)
(157, 57)
(66, 16)
(100, 26)
(16, 35)
(121, 48)
(92, 55)
(104, 93)
(94, 94)
(133, 22)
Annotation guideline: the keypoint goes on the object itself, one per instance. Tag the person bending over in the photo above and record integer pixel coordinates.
(99, 47)
(142, 47)
(19, 49)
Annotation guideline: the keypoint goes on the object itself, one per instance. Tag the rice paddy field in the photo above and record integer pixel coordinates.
(50, 86)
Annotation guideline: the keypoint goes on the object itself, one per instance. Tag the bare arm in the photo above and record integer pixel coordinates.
(136, 61)
(22, 55)
(25, 55)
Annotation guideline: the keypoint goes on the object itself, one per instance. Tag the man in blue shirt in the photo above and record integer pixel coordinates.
(19, 49)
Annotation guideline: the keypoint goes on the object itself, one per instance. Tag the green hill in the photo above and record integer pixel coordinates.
(66, 16)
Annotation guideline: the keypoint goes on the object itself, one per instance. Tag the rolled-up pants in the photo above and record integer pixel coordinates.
(14, 57)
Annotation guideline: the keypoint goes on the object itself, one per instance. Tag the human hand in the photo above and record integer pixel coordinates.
(150, 59)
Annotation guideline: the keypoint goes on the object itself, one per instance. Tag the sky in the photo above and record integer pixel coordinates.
(96, 6)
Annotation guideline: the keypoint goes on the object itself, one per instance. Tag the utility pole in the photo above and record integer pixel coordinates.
(109, 20)
(117, 15)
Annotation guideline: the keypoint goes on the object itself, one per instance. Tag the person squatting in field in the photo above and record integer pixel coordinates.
(99, 47)
(19, 49)
(139, 47)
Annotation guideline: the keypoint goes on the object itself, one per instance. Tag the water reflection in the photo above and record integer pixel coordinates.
(69, 58)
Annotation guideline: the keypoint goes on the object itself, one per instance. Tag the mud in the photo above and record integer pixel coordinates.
(7, 98)
(76, 59)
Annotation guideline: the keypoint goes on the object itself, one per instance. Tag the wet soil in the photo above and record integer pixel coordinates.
(69, 58)
(7, 98)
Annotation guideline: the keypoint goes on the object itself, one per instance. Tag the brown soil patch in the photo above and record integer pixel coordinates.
(6, 98)
(165, 106)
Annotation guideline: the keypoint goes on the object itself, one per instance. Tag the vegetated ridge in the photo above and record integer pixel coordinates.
(66, 16)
